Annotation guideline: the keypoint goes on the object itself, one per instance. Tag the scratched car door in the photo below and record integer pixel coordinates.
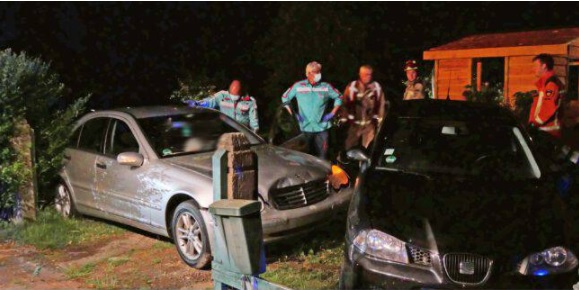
(122, 192)
(80, 161)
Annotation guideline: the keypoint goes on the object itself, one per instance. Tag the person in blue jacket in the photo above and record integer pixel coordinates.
(234, 104)
(313, 97)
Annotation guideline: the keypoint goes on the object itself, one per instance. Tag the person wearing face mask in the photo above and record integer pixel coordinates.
(233, 103)
(364, 108)
(414, 85)
(313, 98)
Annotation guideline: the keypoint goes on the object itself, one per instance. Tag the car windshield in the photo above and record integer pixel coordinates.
(190, 133)
(425, 145)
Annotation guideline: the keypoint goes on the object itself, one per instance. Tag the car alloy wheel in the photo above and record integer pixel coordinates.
(63, 201)
(190, 235)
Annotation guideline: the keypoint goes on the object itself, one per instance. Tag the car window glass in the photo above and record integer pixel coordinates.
(190, 133)
(284, 128)
(92, 135)
(73, 142)
(120, 139)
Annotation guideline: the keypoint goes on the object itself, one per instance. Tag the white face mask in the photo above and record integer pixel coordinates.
(317, 77)
(235, 97)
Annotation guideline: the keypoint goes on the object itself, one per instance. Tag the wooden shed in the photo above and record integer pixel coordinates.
(503, 59)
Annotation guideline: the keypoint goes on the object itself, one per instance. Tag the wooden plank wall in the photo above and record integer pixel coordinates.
(457, 73)
(521, 76)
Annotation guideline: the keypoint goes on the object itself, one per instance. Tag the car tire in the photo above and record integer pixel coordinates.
(190, 235)
(63, 202)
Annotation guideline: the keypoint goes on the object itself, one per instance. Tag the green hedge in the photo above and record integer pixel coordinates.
(30, 90)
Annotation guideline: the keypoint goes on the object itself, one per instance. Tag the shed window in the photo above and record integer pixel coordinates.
(488, 72)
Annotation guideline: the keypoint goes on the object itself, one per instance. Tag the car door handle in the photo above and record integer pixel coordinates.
(101, 165)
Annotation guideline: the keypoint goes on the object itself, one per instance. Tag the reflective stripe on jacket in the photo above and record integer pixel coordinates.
(312, 103)
(243, 110)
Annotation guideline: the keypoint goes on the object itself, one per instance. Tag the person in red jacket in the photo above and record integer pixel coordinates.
(543, 114)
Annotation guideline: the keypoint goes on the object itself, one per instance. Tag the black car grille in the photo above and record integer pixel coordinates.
(479, 271)
(301, 195)
(418, 255)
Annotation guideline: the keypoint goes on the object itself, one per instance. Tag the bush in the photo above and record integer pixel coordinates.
(523, 102)
(30, 90)
(487, 94)
(194, 89)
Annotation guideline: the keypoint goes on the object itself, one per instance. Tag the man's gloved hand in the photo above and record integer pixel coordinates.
(191, 103)
(299, 118)
(327, 117)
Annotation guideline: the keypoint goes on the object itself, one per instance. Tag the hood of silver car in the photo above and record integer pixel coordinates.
(277, 167)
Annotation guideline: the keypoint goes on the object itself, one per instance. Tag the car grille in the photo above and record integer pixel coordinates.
(301, 195)
(419, 256)
(480, 268)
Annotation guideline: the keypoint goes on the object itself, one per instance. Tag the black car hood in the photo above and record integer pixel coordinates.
(277, 167)
(490, 217)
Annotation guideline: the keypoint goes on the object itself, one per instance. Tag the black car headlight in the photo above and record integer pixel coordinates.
(381, 245)
(550, 261)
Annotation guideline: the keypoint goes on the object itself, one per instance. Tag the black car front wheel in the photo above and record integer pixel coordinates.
(190, 235)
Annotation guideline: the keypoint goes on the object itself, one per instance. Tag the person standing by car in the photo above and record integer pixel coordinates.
(363, 109)
(414, 85)
(234, 103)
(543, 115)
(313, 97)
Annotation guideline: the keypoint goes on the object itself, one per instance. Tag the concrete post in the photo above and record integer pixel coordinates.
(23, 143)
(241, 167)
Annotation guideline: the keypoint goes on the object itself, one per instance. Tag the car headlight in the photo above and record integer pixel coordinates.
(550, 261)
(381, 245)
(338, 178)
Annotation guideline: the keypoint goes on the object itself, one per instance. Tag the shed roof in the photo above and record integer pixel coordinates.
(554, 41)
(526, 38)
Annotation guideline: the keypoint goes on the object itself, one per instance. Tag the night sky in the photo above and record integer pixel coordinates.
(129, 54)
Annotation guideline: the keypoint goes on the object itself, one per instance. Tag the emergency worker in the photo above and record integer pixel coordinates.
(544, 110)
(363, 108)
(414, 85)
(234, 103)
(313, 99)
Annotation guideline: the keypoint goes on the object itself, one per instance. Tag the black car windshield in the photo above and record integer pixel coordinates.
(190, 133)
(424, 145)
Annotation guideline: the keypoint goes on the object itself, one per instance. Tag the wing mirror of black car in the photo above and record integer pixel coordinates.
(357, 155)
(132, 159)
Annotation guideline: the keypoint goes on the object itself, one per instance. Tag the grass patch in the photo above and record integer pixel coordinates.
(117, 261)
(52, 231)
(82, 271)
(105, 282)
(161, 245)
(314, 264)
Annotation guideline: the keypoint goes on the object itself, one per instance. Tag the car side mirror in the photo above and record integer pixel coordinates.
(132, 159)
(357, 155)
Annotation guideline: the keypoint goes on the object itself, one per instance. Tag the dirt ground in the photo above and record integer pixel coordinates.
(130, 260)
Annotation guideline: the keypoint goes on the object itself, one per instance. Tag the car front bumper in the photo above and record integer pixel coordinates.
(364, 273)
(283, 224)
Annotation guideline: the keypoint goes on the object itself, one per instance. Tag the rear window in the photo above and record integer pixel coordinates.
(92, 135)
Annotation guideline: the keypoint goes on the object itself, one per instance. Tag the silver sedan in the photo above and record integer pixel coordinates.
(151, 168)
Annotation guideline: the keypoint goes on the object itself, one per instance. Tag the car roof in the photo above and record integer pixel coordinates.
(159, 111)
(454, 110)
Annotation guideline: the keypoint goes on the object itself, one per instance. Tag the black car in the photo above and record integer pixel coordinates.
(454, 195)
